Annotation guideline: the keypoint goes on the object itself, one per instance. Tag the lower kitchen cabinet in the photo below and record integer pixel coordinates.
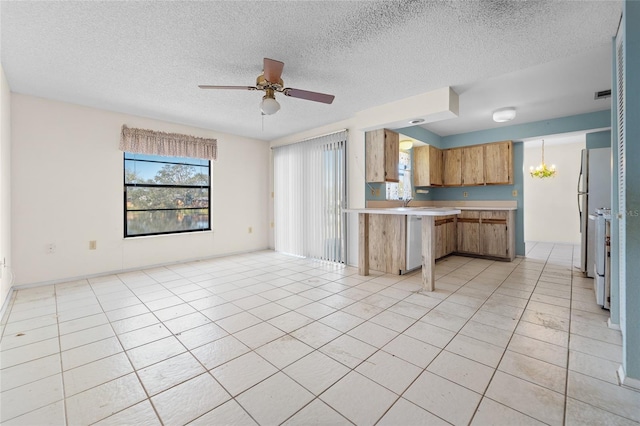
(387, 242)
(494, 233)
(446, 239)
(487, 233)
(469, 232)
(481, 233)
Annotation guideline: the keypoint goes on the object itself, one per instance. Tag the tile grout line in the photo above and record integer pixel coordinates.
(64, 390)
(507, 345)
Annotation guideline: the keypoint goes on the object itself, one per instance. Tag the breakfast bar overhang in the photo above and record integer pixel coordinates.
(428, 237)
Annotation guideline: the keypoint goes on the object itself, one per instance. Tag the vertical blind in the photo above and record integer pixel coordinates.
(309, 195)
(622, 195)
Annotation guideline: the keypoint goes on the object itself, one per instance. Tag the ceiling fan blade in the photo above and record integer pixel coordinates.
(310, 96)
(204, 86)
(272, 70)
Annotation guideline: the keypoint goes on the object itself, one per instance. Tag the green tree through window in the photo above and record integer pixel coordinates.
(165, 195)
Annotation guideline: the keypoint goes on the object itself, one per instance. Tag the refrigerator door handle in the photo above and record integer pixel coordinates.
(580, 210)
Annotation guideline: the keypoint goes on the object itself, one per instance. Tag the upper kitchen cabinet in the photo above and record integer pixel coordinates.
(452, 167)
(498, 163)
(427, 166)
(473, 165)
(487, 164)
(382, 148)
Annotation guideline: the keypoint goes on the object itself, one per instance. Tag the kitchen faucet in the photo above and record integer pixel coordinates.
(405, 201)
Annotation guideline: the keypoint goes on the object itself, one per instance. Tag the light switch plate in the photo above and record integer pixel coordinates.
(514, 192)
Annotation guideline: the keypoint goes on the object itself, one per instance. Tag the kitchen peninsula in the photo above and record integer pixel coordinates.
(428, 236)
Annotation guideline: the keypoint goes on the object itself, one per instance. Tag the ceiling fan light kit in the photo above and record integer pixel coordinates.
(270, 83)
(504, 114)
(269, 105)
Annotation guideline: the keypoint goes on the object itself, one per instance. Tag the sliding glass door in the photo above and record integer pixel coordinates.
(309, 195)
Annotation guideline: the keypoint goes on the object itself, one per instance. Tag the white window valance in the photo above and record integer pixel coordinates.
(143, 141)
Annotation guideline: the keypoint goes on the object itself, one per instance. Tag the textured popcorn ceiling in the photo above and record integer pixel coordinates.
(546, 58)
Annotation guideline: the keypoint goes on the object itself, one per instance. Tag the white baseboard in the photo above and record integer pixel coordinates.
(627, 382)
(5, 306)
(137, 268)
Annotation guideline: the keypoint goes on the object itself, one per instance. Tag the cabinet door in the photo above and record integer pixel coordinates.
(452, 236)
(452, 165)
(391, 155)
(469, 232)
(493, 233)
(446, 237)
(473, 165)
(435, 166)
(382, 154)
(421, 166)
(498, 163)
(427, 166)
(441, 238)
(387, 242)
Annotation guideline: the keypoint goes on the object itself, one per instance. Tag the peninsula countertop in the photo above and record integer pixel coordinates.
(428, 236)
(414, 211)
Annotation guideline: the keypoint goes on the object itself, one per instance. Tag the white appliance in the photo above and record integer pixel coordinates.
(414, 243)
(594, 191)
(602, 261)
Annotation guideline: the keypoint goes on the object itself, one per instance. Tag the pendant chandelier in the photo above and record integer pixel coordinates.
(542, 171)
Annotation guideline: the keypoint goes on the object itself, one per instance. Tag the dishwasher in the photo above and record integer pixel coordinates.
(414, 243)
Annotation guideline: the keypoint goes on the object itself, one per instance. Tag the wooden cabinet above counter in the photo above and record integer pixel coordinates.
(486, 164)
(473, 165)
(427, 166)
(382, 151)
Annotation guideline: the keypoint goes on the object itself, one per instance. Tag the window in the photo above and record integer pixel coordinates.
(165, 195)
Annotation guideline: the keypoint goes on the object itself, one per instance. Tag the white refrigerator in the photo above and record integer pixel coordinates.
(594, 192)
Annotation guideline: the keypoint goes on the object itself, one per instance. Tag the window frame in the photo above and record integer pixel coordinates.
(176, 186)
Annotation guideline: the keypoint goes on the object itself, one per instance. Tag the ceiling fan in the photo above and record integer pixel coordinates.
(270, 82)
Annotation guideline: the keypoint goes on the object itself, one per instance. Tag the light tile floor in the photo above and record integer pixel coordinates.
(267, 338)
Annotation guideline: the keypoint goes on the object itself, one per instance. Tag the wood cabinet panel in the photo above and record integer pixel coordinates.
(473, 165)
(452, 167)
(387, 242)
(469, 232)
(382, 152)
(427, 166)
(493, 233)
(498, 163)
(446, 237)
(452, 237)
(391, 155)
(441, 239)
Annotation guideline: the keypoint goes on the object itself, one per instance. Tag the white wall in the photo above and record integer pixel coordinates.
(5, 187)
(67, 183)
(550, 204)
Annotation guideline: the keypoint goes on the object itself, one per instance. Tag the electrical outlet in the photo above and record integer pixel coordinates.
(92, 245)
(50, 248)
(377, 192)
(465, 194)
(250, 230)
(514, 193)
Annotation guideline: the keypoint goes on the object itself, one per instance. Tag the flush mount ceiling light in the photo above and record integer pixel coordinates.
(542, 171)
(269, 105)
(417, 121)
(406, 144)
(504, 114)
